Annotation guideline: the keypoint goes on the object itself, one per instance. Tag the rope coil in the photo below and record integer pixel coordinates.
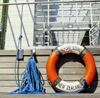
(31, 82)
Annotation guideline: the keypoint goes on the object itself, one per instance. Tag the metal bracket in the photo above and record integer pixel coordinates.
(33, 52)
(20, 54)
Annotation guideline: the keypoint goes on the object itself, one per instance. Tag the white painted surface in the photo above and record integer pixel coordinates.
(14, 25)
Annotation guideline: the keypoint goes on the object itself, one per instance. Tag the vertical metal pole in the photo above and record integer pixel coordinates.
(20, 54)
(44, 33)
(99, 33)
(34, 36)
(77, 16)
(21, 25)
(91, 25)
(90, 37)
(48, 22)
(48, 13)
(91, 15)
(62, 15)
(62, 24)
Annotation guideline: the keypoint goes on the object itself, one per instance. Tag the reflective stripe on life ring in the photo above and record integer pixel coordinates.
(63, 86)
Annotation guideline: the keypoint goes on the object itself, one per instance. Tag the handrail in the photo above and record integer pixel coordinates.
(96, 24)
(92, 39)
(70, 29)
(51, 2)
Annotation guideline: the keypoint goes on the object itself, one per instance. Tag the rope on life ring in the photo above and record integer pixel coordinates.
(62, 86)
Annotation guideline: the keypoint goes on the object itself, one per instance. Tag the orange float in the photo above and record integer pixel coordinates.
(62, 86)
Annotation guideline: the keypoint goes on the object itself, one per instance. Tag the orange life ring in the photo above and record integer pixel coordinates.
(60, 85)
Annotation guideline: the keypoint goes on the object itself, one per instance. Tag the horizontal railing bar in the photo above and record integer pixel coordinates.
(71, 29)
(67, 29)
(72, 9)
(66, 16)
(81, 1)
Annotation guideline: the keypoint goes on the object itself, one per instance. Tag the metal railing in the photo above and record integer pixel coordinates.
(51, 2)
(25, 19)
(94, 34)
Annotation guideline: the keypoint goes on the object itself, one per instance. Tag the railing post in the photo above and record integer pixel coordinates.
(76, 15)
(21, 26)
(99, 33)
(48, 12)
(91, 15)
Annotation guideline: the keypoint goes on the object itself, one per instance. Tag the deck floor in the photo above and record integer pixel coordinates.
(72, 70)
(5, 95)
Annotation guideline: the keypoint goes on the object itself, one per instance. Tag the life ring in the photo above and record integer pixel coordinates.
(57, 83)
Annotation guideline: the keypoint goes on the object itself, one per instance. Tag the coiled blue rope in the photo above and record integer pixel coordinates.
(31, 82)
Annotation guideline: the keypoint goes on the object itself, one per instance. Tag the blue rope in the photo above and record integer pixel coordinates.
(31, 82)
(16, 58)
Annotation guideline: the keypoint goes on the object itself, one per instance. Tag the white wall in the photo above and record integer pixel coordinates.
(14, 25)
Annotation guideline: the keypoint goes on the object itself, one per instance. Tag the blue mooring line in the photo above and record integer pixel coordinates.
(16, 58)
(31, 83)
